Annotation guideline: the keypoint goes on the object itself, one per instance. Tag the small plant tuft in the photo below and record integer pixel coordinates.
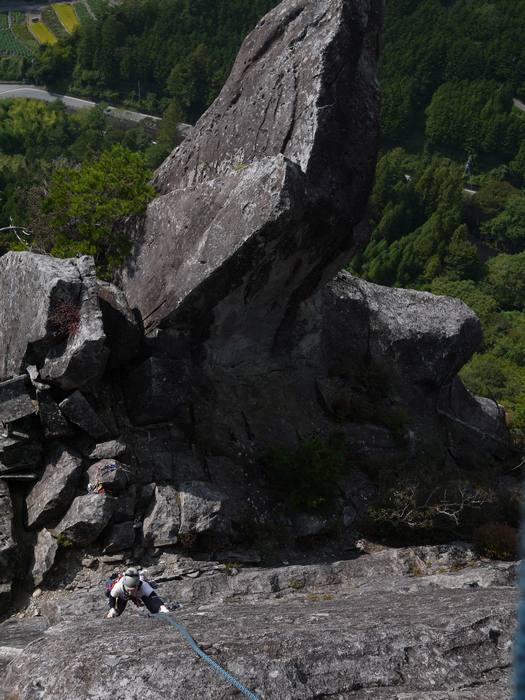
(64, 542)
(309, 474)
(296, 583)
(64, 319)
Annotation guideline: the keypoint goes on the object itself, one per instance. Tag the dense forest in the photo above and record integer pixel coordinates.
(148, 53)
(448, 206)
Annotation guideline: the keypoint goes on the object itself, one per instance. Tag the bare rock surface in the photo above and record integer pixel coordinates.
(15, 400)
(44, 556)
(7, 543)
(362, 628)
(49, 317)
(263, 197)
(200, 507)
(85, 519)
(51, 496)
(162, 523)
(80, 412)
(53, 420)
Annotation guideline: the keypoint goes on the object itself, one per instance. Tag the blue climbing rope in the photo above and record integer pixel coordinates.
(216, 667)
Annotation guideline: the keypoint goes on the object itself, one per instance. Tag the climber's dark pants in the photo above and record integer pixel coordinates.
(152, 602)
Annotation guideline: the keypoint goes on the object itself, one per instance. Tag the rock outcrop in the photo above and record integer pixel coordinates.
(49, 317)
(263, 201)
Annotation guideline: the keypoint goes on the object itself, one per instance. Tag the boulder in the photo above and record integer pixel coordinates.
(53, 421)
(15, 400)
(80, 412)
(161, 525)
(52, 495)
(85, 519)
(108, 450)
(262, 202)
(50, 318)
(112, 475)
(125, 505)
(122, 327)
(44, 556)
(120, 537)
(201, 508)
(19, 454)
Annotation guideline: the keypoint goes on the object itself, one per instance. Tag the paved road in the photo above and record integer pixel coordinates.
(8, 91)
(519, 104)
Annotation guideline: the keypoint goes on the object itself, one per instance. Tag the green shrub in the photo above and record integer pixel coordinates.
(308, 475)
(64, 542)
(497, 541)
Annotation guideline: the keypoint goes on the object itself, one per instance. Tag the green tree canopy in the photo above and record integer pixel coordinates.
(85, 203)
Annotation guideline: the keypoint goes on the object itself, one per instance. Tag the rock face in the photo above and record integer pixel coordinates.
(49, 317)
(50, 497)
(351, 629)
(161, 525)
(200, 507)
(266, 194)
(7, 544)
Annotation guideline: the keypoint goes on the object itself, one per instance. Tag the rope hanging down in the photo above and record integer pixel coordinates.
(214, 665)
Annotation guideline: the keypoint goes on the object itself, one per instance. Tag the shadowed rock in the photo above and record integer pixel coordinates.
(80, 412)
(50, 317)
(7, 544)
(53, 421)
(15, 400)
(123, 331)
(261, 201)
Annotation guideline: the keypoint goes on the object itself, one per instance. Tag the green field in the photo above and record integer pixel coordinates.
(82, 13)
(67, 16)
(18, 17)
(50, 19)
(42, 33)
(97, 6)
(12, 45)
(23, 34)
(4, 20)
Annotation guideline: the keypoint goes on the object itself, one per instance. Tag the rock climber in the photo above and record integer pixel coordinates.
(131, 586)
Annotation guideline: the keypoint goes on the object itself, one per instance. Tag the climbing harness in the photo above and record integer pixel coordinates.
(211, 662)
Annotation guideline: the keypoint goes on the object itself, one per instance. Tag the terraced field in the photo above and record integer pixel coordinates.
(42, 33)
(82, 12)
(97, 6)
(22, 36)
(12, 45)
(50, 19)
(67, 16)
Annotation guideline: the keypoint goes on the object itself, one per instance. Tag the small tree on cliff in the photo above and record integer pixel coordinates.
(83, 205)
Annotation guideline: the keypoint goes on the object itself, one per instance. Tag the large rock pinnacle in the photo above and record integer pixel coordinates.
(263, 201)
